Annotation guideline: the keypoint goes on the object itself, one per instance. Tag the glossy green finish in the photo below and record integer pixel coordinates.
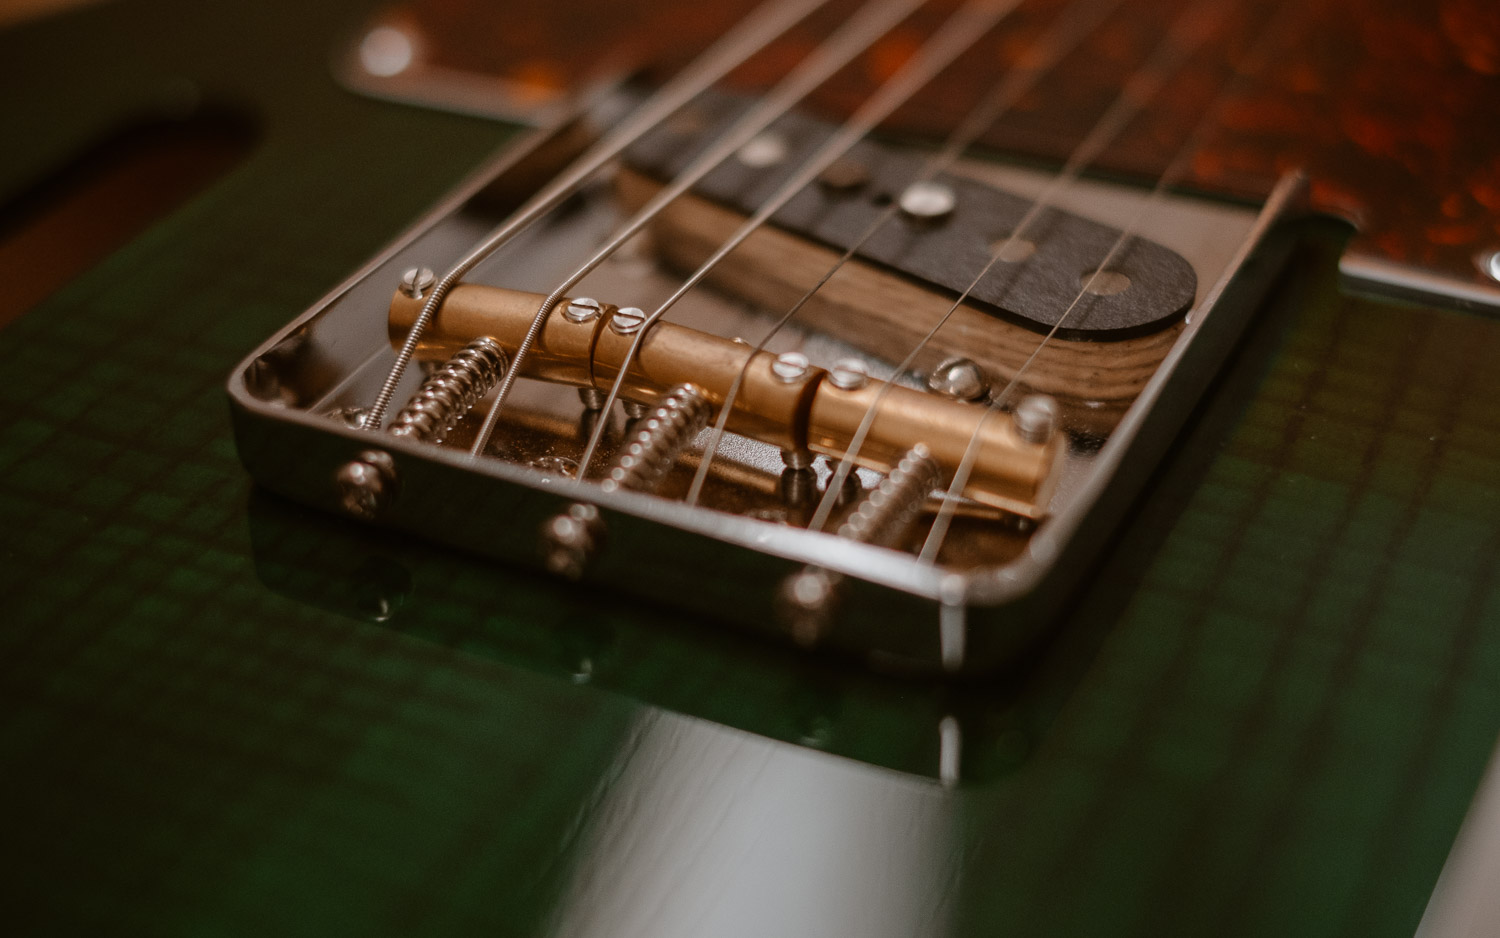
(224, 714)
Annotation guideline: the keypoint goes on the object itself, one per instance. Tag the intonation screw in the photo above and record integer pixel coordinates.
(584, 309)
(451, 391)
(1036, 418)
(627, 321)
(417, 281)
(789, 367)
(849, 374)
(571, 538)
(960, 379)
(366, 484)
(882, 517)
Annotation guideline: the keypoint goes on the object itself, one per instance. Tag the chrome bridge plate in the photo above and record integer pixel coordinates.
(994, 586)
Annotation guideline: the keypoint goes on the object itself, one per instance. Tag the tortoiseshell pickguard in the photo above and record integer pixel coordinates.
(1391, 106)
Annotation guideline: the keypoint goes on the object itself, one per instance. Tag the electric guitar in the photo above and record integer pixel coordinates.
(1200, 531)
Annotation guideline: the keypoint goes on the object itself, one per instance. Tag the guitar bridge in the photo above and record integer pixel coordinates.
(879, 461)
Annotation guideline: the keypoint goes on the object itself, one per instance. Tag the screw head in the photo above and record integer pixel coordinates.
(849, 374)
(789, 367)
(570, 539)
(927, 201)
(417, 281)
(627, 321)
(386, 51)
(353, 417)
(806, 603)
(960, 379)
(584, 309)
(366, 484)
(1036, 417)
(764, 150)
(1489, 264)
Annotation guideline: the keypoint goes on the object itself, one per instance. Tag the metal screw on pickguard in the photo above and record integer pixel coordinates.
(366, 484)
(849, 374)
(764, 150)
(927, 201)
(571, 538)
(807, 598)
(1036, 417)
(452, 391)
(627, 321)
(789, 367)
(386, 51)
(1489, 264)
(417, 281)
(584, 309)
(960, 379)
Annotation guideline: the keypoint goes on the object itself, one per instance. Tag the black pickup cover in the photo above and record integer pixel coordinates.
(950, 252)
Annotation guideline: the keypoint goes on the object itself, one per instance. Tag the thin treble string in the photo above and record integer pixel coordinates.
(1261, 51)
(1065, 34)
(751, 35)
(1185, 35)
(958, 33)
(857, 35)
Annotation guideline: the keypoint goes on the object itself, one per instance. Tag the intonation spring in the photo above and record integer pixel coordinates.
(882, 517)
(452, 391)
(657, 440)
(886, 512)
(569, 539)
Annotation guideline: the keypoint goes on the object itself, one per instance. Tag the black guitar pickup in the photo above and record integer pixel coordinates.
(942, 234)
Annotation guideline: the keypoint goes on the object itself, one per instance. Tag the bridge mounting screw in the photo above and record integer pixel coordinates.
(849, 374)
(960, 379)
(584, 309)
(1036, 417)
(417, 281)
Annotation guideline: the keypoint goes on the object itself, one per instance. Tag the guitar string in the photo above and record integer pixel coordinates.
(956, 35)
(855, 36)
(1186, 34)
(1067, 32)
(1259, 55)
(751, 35)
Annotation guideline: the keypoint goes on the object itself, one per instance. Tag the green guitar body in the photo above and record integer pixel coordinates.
(224, 714)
